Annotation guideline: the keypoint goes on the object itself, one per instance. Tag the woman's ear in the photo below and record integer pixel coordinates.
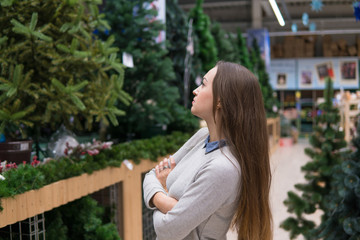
(218, 105)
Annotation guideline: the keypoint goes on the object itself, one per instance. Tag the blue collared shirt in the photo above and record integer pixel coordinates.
(212, 146)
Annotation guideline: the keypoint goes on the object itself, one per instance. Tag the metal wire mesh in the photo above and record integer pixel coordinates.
(148, 226)
(147, 220)
(31, 229)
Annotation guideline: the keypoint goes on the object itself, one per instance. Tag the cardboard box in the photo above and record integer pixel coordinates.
(278, 51)
(334, 49)
(342, 44)
(352, 51)
(327, 50)
(358, 45)
(309, 49)
(327, 39)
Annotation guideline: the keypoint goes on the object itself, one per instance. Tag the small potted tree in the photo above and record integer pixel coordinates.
(54, 70)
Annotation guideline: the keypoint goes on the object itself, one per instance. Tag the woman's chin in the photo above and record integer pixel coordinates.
(193, 110)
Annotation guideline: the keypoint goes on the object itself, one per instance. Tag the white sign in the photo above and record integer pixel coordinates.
(127, 59)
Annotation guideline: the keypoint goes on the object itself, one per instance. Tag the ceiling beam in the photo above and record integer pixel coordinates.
(267, 8)
(256, 14)
(220, 4)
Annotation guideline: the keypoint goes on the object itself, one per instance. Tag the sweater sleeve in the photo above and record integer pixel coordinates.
(152, 185)
(214, 187)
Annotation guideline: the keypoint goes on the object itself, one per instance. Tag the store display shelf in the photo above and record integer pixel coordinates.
(34, 202)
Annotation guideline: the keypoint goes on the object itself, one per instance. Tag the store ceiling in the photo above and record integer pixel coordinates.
(336, 16)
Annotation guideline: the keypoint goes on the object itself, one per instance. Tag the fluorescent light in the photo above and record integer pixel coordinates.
(277, 12)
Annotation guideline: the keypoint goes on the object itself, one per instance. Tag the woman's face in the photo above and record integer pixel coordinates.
(202, 105)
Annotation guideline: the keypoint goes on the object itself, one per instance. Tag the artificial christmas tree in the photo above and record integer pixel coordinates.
(225, 48)
(257, 66)
(243, 51)
(89, 222)
(327, 143)
(343, 215)
(54, 70)
(205, 47)
(135, 28)
(177, 38)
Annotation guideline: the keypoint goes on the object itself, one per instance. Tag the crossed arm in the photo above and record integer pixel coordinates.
(160, 200)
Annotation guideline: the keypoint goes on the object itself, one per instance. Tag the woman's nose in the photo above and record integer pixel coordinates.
(195, 91)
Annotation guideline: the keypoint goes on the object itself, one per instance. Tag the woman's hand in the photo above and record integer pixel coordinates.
(163, 169)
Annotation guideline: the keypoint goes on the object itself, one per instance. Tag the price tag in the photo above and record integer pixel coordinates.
(190, 47)
(128, 60)
(128, 164)
(24, 146)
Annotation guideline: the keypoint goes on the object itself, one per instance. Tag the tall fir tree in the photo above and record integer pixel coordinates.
(243, 51)
(54, 70)
(327, 144)
(225, 47)
(80, 219)
(205, 46)
(343, 202)
(257, 66)
(177, 38)
(135, 30)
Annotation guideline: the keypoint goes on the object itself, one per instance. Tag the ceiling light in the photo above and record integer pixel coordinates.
(277, 12)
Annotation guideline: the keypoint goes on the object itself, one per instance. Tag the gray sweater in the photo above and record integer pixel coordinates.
(206, 187)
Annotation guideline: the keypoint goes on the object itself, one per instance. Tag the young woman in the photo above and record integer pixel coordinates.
(222, 173)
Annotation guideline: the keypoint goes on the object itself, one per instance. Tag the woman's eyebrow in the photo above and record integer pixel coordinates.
(204, 78)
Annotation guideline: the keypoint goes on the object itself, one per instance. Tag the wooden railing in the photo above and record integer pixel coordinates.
(273, 125)
(35, 202)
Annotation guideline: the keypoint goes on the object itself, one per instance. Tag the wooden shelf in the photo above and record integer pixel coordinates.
(35, 202)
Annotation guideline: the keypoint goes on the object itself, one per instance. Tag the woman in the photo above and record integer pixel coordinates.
(221, 173)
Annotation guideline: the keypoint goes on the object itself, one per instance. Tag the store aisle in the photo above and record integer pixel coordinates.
(285, 164)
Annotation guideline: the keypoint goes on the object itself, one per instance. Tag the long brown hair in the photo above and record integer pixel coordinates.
(242, 121)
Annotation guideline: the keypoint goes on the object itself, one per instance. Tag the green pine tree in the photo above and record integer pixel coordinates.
(243, 51)
(53, 69)
(343, 215)
(205, 47)
(259, 69)
(81, 219)
(327, 143)
(225, 47)
(177, 37)
(149, 80)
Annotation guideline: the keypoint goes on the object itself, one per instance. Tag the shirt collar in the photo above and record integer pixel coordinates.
(212, 146)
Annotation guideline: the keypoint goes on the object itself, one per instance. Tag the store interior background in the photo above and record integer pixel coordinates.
(336, 37)
(335, 40)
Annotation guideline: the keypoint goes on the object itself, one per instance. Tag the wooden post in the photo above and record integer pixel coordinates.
(132, 205)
